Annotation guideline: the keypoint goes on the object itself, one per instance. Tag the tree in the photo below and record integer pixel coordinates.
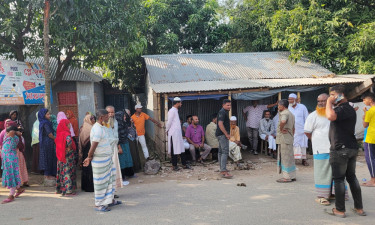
(173, 26)
(336, 34)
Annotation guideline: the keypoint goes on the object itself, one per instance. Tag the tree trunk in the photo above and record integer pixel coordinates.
(47, 100)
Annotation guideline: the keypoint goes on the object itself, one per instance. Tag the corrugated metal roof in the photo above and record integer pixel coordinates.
(256, 83)
(72, 74)
(182, 68)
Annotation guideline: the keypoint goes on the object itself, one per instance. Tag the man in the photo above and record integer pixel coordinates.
(173, 129)
(253, 114)
(195, 136)
(267, 131)
(284, 138)
(343, 150)
(104, 171)
(112, 127)
(211, 138)
(185, 125)
(300, 140)
(316, 128)
(369, 142)
(139, 119)
(235, 141)
(223, 135)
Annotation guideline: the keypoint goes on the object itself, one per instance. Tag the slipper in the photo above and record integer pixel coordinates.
(368, 185)
(359, 214)
(70, 194)
(323, 201)
(115, 203)
(226, 176)
(333, 214)
(116, 196)
(26, 185)
(7, 200)
(102, 209)
(19, 193)
(283, 180)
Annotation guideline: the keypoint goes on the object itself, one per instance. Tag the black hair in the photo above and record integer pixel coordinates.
(11, 128)
(213, 116)
(369, 95)
(101, 112)
(266, 111)
(339, 89)
(175, 102)
(225, 101)
(284, 103)
(188, 116)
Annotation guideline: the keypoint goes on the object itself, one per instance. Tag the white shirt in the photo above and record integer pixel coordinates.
(318, 126)
(300, 114)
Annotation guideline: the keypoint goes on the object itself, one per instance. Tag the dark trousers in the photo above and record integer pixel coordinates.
(175, 157)
(370, 157)
(343, 164)
(252, 134)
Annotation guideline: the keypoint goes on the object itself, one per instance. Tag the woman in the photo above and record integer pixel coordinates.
(65, 149)
(11, 178)
(35, 146)
(20, 149)
(125, 158)
(13, 115)
(62, 116)
(73, 121)
(47, 156)
(87, 182)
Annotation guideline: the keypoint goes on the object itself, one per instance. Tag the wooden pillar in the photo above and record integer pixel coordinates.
(299, 97)
(165, 124)
(230, 98)
(279, 97)
(158, 106)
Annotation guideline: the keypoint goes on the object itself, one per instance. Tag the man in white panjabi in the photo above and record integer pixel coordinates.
(112, 128)
(174, 132)
(300, 139)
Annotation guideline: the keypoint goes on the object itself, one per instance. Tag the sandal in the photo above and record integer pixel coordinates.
(115, 203)
(359, 214)
(70, 194)
(7, 200)
(283, 180)
(226, 175)
(323, 201)
(332, 213)
(102, 208)
(19, 193)
(116, 196)
(368, 184)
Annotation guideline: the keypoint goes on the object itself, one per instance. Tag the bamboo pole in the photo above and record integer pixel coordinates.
(279, 96)
(299, 97)
(165, 122)
(230, 98)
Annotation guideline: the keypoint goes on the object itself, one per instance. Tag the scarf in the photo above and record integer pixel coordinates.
(123, 126)
(62, 116)
(84, 135)
(35, 132)
(53, 120)
(62, 133)
(43, 121)
(73, 120)
(7, 123)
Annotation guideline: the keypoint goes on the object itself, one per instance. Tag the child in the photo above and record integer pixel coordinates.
(11, 176)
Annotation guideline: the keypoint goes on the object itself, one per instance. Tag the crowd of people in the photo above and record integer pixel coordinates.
(101, 146)
(60, 147)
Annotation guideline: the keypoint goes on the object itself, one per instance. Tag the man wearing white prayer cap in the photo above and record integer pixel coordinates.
(174, 132)
(234, 141)
(300, 139)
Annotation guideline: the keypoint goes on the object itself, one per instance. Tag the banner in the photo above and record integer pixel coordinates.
(21, 83)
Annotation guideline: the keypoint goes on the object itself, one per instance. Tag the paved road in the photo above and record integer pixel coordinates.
(191, 201)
